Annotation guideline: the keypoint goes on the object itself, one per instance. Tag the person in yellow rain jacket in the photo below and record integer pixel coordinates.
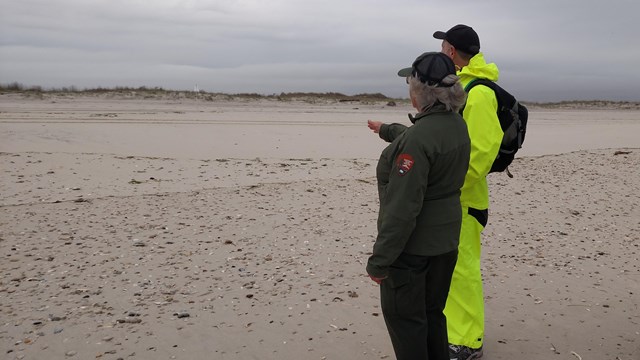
(465, 304)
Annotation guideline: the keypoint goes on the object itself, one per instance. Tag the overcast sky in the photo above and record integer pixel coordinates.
(547, 50)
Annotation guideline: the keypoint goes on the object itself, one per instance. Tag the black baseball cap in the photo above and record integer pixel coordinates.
(462, 37)
(430, 68)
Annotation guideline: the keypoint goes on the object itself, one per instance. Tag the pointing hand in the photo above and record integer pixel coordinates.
(374, 125)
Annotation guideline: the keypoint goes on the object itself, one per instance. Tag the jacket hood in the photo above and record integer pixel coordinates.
(478, 68)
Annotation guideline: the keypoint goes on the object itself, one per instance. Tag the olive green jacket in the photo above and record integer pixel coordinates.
(419, 179)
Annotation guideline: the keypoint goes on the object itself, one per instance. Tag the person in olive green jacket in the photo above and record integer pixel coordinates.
(465, 305)
(419, 179)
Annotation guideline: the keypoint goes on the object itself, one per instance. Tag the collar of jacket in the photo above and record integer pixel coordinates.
(435, 108)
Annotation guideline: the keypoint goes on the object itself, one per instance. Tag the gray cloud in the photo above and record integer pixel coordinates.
(546, 50)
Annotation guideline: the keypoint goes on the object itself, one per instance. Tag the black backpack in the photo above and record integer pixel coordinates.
(513, 121)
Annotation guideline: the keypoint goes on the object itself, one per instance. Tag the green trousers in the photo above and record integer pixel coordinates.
(465, 305)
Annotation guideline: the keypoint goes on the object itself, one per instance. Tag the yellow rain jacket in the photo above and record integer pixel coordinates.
(480, 113)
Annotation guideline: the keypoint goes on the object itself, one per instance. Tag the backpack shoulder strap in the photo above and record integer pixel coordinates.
(473, 83)
(504, 98)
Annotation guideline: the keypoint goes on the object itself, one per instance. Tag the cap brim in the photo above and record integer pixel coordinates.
(405, 72)
(440, 35)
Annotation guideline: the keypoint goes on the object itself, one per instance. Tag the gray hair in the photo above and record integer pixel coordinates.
(453, 97)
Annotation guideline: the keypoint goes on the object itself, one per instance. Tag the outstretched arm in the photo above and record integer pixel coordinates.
(387, 132)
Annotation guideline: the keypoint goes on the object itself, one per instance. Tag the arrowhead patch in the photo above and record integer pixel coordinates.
(404, 163)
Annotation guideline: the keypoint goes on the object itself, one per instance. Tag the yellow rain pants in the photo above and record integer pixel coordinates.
(465, 305)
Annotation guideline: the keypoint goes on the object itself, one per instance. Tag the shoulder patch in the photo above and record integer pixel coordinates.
(404, 163)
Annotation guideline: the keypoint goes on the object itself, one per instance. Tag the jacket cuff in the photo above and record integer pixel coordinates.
(377, 271)
(384, 132)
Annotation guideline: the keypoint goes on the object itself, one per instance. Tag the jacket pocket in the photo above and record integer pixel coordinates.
(399, 294)
(398, 277)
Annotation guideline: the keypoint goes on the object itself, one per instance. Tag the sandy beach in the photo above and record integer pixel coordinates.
(174, 228)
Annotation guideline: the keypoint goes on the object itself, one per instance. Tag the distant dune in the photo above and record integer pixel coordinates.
(144, 92)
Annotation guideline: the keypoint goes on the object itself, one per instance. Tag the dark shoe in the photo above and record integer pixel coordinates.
(459, 352)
